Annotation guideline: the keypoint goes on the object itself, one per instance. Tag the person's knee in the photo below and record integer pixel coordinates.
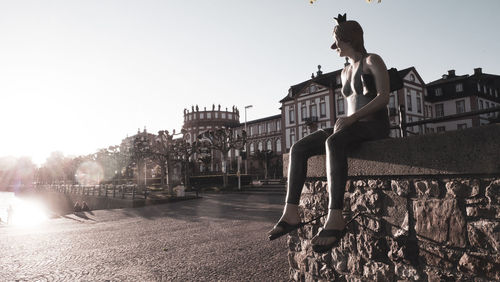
(337, 141)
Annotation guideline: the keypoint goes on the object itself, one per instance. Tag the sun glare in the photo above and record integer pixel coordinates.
(27, 213)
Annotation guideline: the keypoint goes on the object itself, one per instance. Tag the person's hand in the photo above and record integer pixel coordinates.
(343, 122)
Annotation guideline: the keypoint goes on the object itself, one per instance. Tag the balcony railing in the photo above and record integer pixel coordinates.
(311, 120)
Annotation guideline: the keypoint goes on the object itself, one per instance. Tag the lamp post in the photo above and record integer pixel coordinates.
(246, 145)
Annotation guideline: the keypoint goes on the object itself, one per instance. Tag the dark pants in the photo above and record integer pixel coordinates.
(336, 146)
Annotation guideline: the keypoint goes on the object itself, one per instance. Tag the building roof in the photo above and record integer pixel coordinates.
(447, 80)
(326, 79)
(262, 119)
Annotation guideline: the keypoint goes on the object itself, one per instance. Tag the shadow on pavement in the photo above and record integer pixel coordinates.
(235, 206)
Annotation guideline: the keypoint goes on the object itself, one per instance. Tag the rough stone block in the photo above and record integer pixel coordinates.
(369, 201)
(427, 188)
(401, 187)
(377, 271)
(440, 221)
(396, 218)
(480, 264)
(492, 192)
(379, 184)
(485, 212)
(372, 248)
(462, 188)
(435, 255)
(484, 234)
(406, 272)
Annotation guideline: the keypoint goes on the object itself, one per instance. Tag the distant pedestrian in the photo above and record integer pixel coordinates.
(77, 207)
(85, 207)
(10, 214)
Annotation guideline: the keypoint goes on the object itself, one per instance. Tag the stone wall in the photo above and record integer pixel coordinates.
(413, 226)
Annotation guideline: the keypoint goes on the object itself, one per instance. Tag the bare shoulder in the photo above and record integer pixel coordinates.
(374, 60)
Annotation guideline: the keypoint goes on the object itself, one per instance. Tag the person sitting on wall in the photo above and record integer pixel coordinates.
(85, 207)
(77, 207)
(365, 85)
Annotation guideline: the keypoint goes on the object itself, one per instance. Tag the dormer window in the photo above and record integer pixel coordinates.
(338, 80)
(438, 92)
(459, 87)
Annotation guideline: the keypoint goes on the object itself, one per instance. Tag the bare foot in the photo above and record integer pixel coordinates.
(290, 216)
(334, 221)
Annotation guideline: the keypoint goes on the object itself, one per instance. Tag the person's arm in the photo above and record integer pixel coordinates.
(379, 71)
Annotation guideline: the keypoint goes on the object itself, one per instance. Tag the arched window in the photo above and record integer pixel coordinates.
(260, 146)
(278, 145)
(269, 145)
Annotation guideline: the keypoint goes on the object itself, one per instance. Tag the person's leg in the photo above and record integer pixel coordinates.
(337, 147)
(302, 150)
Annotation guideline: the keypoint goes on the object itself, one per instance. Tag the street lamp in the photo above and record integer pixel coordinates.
(246, 144)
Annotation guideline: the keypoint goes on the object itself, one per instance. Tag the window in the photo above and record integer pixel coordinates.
(392, 102)
(303, 111)
(408, 102)
(202, 116)
(340, 105)
(312, 88)
(440, 129)
(278, 125)
(322, 107)
(314, 111)
(419, 105)
(439, 110)
(478, 87)
(216, 115)
(262, 128)
(323, 125)
(460, 106)
(461, 126)
(292, 136)
(268, 127)
(278, 145)
(209, 115)
(291, 115)
(229, 116)
(412, 77)
(481, 104)
(304, 131)
(252, 148)
(259, 146)
(438, 92)
(269, 145)
(496, 93)
(485, 90)
(338, 79)
(459, 87)
(223, 115)
(487, 105)
(251, 130)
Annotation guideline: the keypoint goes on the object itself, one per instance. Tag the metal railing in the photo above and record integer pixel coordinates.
(125, 191)
(403, 125)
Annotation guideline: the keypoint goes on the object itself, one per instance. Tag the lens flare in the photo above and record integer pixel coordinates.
(89, 173)
(26, 213)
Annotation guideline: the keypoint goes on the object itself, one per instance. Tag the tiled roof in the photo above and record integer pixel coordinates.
(446, 80)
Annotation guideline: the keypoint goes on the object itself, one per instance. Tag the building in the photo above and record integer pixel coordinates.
(455, 94)
(318, 102)
(265, 135)
(412, 98)
(312, 104)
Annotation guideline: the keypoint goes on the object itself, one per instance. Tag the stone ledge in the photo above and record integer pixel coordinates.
(470, 151)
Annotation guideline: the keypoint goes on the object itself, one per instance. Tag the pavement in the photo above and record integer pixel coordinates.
(219, 237)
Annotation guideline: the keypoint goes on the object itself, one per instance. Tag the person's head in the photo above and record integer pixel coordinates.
(348, 35)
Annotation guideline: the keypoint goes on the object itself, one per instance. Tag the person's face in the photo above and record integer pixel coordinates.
(342, 47)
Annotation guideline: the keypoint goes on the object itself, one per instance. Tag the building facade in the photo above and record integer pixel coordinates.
(455, 94)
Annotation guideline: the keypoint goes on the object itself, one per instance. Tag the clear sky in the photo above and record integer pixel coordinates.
(76, 76)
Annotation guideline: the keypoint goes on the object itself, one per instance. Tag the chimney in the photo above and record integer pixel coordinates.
(478, 71)
(451, 73)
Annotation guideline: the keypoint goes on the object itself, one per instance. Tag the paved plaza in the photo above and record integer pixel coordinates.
(220, 237)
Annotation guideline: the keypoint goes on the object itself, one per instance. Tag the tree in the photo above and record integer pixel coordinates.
(183, 151)
(140, 151)
(163, 152)
(264, 157)
(223, 140)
